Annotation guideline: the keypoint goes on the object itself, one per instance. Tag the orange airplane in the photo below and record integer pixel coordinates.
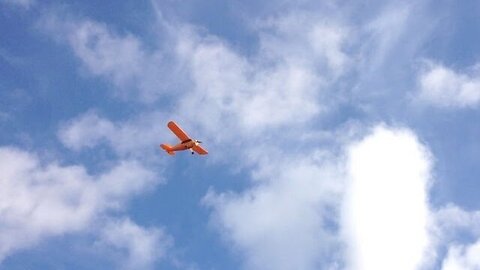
(186, 142)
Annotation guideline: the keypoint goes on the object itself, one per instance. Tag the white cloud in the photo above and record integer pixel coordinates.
(453, 232)
(287, 221)
(138, 248)
(451, 219)
(463, 257)
(228, 87)
(444, 87)
(386, 214)
(281, 84)
(40, 199)
(369, 211)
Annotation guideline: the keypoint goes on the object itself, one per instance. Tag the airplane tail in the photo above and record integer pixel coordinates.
(168, 149)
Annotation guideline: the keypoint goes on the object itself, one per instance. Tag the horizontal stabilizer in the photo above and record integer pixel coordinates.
(168, 149)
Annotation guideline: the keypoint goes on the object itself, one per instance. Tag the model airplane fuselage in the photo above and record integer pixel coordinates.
(185, 142)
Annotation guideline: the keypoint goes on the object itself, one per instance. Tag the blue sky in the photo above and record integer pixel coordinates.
(342, 135)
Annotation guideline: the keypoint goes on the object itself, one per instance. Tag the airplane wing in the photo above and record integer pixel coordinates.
(178, 131)
(199, 150)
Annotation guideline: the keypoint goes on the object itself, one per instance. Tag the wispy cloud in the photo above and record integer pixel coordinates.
(91, 129)
(41, 199)
(457, 232)
(4, 116)
(86, 130)
(135, 72)
(282, 84)
(444, 87)
(137, 247)
(462, 257)
(451, 218)
(249, 95)
(21, 3)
